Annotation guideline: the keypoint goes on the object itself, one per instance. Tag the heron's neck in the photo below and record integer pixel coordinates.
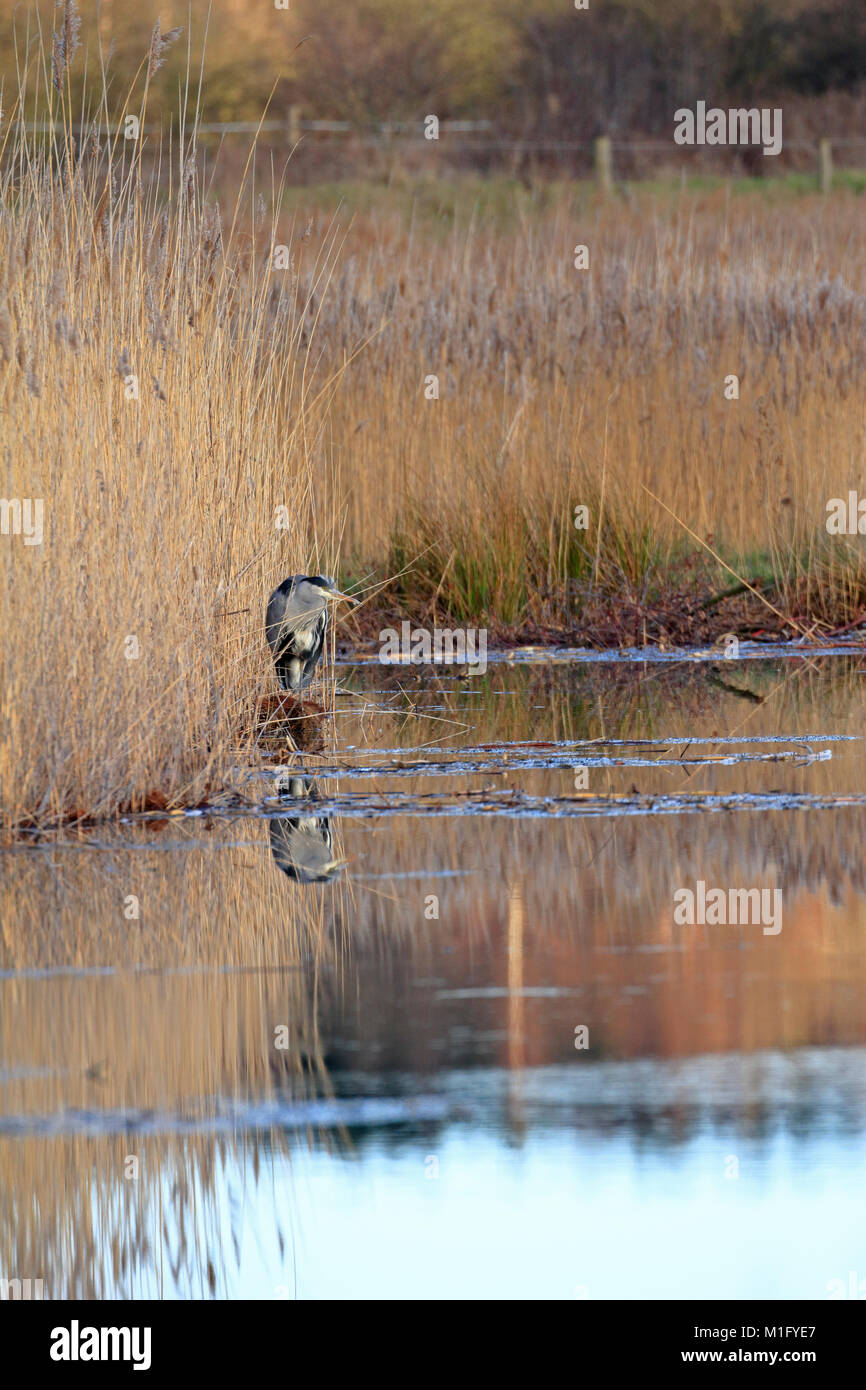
(308, 618)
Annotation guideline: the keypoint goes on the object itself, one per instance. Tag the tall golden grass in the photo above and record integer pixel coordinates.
(159, 396)
(560, 387)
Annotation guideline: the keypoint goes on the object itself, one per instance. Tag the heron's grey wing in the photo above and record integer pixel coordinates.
(274, 614)
(283, 613)
(302, 848)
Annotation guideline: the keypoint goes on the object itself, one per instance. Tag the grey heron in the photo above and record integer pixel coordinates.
(301, 843)
(296, 620)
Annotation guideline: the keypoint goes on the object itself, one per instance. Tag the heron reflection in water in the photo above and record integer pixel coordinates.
(301, 843)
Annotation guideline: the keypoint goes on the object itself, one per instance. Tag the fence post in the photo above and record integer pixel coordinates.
(603, 164)
(294, 124)
(825, 166)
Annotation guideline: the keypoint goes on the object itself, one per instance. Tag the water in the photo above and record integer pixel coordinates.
(412, 1016)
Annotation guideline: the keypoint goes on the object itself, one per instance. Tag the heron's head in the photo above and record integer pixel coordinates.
(321, 587)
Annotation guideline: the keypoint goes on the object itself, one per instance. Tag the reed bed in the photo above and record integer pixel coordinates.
(604, 388)
(160, 404)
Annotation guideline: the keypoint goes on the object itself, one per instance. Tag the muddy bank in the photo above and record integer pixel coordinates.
(755, 614)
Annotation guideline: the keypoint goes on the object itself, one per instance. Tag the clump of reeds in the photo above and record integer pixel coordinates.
(156, 396)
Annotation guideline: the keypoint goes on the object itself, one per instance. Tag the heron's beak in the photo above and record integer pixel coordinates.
(335, 593)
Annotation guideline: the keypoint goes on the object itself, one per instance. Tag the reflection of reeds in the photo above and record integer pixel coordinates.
(73, 1209)
(92, 1232)
(240, 964)
(584, 906)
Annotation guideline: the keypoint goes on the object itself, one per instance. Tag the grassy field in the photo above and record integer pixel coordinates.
(423, 398)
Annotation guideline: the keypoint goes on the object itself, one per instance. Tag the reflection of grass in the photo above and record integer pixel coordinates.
(349, 969)
(93, 1232)
(172, 1043)
(574, 700)
(355, 973)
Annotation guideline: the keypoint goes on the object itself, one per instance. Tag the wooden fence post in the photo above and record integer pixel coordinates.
(825, 166)
(604, 164)
(294, 124)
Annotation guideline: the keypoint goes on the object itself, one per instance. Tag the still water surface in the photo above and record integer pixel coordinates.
(374, 1084)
